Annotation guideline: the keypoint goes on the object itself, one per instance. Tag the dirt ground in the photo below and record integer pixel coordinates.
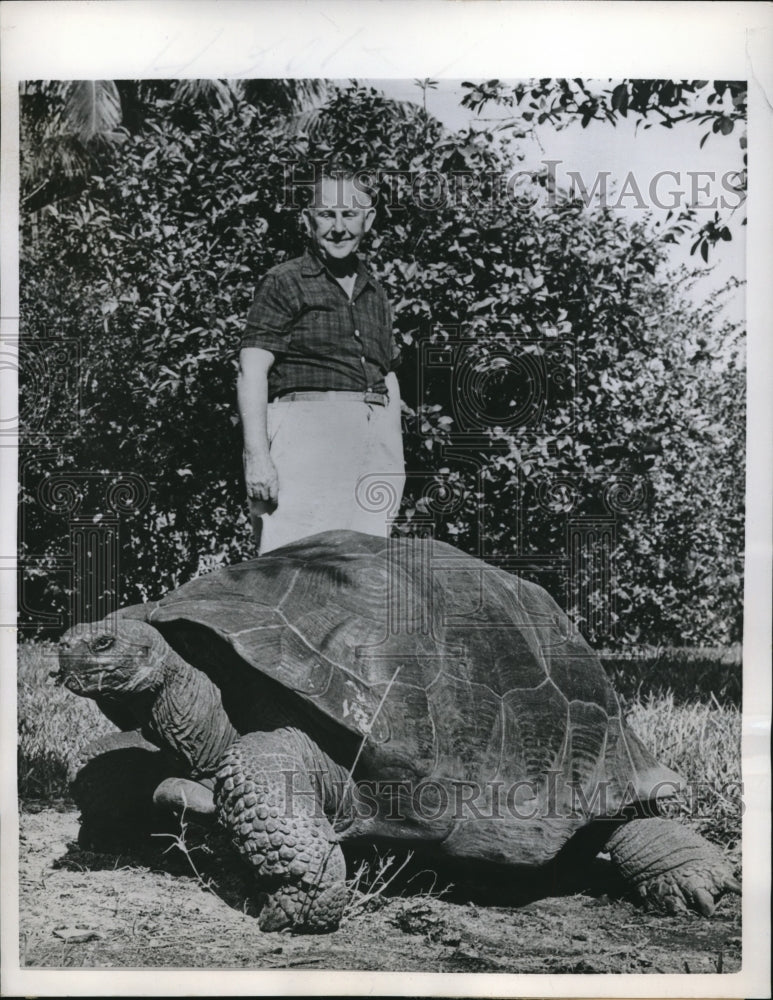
(87, 910)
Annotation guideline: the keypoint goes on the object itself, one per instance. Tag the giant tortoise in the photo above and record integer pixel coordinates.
(347, 688)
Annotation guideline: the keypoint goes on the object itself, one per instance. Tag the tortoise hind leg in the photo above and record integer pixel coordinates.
(113, 788)
(265, 797)
(671, 866)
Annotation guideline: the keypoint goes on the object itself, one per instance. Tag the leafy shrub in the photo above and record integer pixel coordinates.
(150, 269)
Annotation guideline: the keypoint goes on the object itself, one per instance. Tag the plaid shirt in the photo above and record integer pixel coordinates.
(320, 338)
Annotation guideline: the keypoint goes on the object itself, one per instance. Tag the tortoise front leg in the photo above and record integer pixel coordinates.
(186, 799)
(266, 798)
(671, 866)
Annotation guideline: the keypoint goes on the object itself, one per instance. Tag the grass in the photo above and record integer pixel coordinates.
(54, 726)
(690, 674)
(701, 741)
(688, 727)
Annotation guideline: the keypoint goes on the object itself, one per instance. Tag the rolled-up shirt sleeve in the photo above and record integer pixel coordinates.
(270, 318)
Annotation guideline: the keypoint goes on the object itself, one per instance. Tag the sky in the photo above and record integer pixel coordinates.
(621, 150)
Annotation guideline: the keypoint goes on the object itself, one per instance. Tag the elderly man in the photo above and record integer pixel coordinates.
(318, 397)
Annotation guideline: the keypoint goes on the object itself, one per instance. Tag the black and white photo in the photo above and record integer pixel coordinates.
(391, 477)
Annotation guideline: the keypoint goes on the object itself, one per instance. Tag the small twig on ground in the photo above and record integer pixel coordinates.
(383, 883)
(379, 883)
(178, 841)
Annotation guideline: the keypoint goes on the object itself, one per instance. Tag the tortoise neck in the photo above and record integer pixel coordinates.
(189, 717)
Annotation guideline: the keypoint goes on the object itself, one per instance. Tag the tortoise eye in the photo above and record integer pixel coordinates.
(103, 643)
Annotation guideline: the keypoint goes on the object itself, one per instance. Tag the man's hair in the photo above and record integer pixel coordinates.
(362, 180)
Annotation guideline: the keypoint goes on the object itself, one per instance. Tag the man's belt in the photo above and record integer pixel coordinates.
(379, 398)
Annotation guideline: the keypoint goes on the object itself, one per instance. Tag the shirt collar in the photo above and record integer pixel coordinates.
(312, 265)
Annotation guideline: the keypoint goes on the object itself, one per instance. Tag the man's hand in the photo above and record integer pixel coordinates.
(260, 474)
(261, 478)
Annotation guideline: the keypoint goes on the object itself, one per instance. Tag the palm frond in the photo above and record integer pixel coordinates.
(92, 109)
(224, 93)
(312, 123)
(287, 95)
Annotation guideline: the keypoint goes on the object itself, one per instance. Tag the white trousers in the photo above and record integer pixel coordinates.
(340, 465)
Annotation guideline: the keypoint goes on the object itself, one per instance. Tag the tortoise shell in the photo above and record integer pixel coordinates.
(448, 668)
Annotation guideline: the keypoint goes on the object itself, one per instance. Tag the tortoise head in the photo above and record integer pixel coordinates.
(112, 657)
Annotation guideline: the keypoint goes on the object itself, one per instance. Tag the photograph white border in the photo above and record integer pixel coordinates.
(416, 39)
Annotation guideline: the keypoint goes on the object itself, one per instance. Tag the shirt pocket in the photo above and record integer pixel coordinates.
(321, 326)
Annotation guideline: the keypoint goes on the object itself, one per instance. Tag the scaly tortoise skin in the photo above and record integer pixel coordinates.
(477, 717)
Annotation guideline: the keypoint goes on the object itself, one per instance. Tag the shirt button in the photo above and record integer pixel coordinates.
(363, 359)
(357, 334)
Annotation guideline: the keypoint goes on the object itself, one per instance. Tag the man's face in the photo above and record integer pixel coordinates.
(338, 220)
